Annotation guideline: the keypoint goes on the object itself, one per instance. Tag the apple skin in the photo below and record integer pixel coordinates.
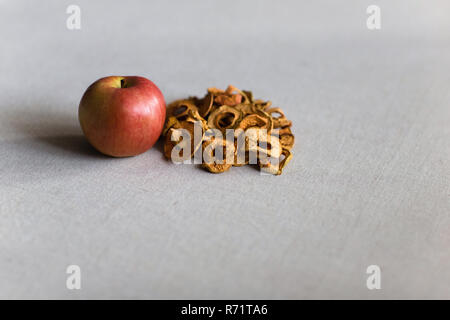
(122, 116)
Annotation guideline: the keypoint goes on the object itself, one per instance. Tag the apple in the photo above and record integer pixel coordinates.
(122, 116)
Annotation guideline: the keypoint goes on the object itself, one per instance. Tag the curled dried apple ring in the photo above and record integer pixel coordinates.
(169, 144)
(206, 105)
(224, 118)
(282, 131)
(280, 121)
(261, 120)
(229, 100)
(261, 143)
(276, 169)
(181, 108)
(230, 97)
(287, 139)
(215, 90)
(175, 136)
(193, 116)
(245, 108)
(216, 168)
(271, 111)
(262, 105)
(171, 122)
(248, 96)
(211, 162)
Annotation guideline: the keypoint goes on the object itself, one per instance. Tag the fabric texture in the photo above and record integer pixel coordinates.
(369, 183)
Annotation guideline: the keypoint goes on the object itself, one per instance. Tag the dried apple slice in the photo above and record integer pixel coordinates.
(224, 118)
(210, 161)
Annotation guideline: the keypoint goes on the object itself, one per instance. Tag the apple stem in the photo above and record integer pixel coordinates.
(122, 83)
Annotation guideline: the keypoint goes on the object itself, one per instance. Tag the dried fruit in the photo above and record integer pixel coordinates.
(262, 121)
(206, 105)
(211, 148)
(224, 117)
(277, 168)
(180, 108)
(259, 131)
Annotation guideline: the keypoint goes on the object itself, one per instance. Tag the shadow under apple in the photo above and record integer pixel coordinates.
(55, 130)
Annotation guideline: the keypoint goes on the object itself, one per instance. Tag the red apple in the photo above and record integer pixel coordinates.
(122, 116)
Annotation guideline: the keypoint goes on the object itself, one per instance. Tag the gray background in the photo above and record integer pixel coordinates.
(368, 184)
